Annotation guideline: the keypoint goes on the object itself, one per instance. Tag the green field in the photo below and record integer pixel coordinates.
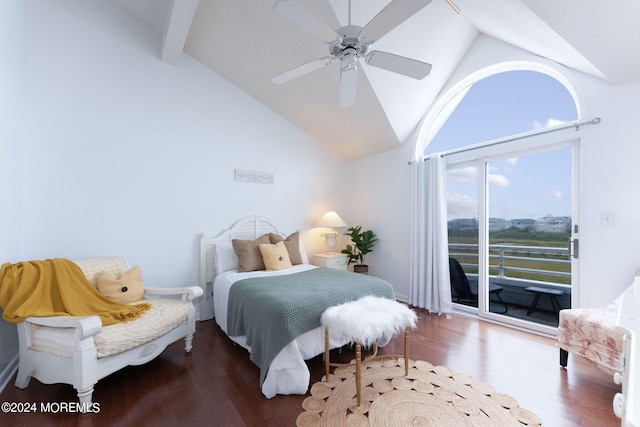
(517, 237)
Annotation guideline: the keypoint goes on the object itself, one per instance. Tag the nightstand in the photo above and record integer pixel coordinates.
(333, 260)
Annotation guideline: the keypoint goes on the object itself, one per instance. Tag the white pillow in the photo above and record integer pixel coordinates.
(635, 286)
(303, 253)
(226, 258)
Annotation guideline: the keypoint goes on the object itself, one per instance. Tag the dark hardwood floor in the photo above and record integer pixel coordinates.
(217, 385)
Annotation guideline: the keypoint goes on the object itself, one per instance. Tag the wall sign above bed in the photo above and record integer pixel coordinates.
(258, 177)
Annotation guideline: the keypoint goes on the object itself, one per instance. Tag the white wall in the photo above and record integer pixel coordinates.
(381, 189)
(608, 184)
(119, 153)
(10, 158)
(130, 156)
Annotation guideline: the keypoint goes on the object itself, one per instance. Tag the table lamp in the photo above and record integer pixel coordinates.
(329, 220)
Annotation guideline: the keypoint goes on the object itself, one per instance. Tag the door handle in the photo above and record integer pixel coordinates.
(573, 248)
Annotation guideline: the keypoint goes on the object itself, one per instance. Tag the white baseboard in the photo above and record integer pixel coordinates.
(205, 310)
(7, 374)
(402, 298)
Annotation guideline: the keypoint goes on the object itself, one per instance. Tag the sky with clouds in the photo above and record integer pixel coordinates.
(505, 104)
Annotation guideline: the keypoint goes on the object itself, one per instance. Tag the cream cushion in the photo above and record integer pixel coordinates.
(275, 256)
(164, 315)
(292, 244)
(123, 288)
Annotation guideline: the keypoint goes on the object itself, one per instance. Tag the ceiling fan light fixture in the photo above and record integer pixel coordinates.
(349, 57)
(352, 42)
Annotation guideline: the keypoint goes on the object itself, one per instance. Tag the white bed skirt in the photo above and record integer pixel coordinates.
(288, 373)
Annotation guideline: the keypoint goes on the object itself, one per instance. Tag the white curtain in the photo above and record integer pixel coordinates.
(430, 286)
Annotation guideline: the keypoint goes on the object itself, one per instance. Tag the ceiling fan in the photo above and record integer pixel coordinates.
(352, 42)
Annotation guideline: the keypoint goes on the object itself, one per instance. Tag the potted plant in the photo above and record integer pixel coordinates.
(363, 242)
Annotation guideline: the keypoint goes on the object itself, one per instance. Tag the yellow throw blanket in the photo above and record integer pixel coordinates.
(56, 287)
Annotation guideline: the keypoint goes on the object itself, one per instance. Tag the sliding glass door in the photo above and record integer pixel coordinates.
(463, 233)
(511, 218)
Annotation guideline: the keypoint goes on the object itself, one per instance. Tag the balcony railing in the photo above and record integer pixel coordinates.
(515, 268)
(547, 264)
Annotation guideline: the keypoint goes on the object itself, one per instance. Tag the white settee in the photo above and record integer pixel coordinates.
(626, 404)
(78, 350)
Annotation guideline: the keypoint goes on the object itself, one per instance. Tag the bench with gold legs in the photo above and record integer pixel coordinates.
(369, 321)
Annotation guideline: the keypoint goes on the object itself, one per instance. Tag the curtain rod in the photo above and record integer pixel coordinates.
(576, 124)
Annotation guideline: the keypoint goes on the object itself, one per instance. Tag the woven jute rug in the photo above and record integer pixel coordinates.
(428, 396)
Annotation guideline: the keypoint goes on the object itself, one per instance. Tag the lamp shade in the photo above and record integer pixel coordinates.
(331, 219)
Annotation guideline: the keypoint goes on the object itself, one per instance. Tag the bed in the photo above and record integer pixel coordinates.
(285, 333)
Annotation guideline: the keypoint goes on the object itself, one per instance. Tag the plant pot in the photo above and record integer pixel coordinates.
(362, 269)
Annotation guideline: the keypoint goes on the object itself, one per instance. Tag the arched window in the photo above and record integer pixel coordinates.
(503, 104)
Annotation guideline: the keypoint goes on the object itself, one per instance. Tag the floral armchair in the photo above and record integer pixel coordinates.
(592, 333)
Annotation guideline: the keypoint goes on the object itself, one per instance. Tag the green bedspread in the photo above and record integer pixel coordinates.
(272, 311)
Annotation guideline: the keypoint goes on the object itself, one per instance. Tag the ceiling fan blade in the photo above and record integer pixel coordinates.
(391, 16)
(302, 70)
(398, 64)
(348, 85)
(293, 12)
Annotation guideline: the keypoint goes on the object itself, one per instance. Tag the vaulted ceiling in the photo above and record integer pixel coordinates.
(247, 43)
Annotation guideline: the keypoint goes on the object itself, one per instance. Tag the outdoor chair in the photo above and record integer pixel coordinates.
(462, 289)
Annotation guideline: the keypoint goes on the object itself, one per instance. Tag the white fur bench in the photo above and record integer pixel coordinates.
(369, 321)
(77, 350)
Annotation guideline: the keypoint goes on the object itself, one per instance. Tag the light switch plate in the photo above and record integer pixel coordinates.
(607, 218)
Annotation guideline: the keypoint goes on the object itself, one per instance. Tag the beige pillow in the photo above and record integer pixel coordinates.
(124, 289)
(292, 244)
(248, 251)
(275, 256)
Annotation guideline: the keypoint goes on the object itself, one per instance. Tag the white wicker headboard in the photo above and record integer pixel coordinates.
(247, 228)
